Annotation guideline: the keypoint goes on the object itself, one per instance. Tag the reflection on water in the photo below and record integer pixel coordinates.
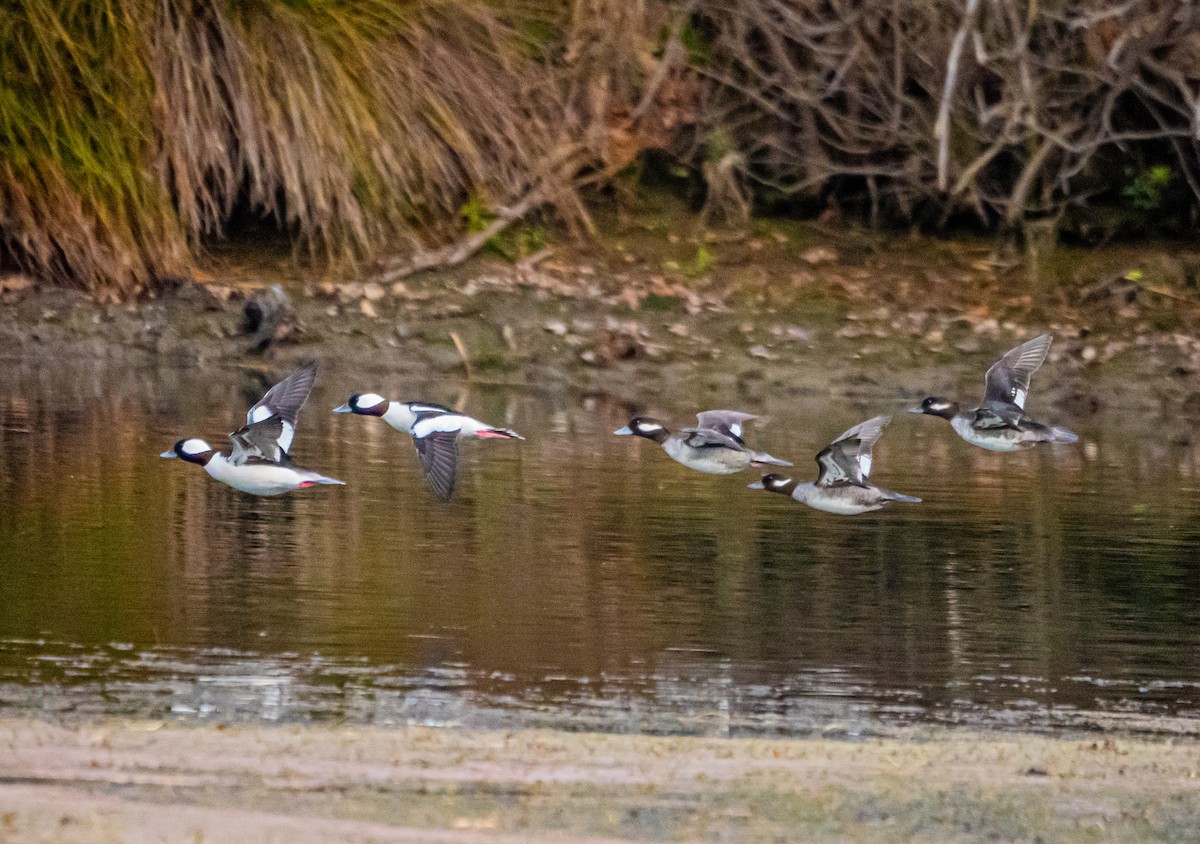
(583, 580)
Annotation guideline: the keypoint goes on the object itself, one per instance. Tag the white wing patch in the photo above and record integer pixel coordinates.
(446, 423)
(285, 438)
(1019, 397)
(258, 413)
(864, 465)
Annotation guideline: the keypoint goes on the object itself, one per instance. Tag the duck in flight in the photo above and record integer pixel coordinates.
(259, 462)
(843, 486)
(399, 414)
(1000, 423)
(436, 431)
(714, 446)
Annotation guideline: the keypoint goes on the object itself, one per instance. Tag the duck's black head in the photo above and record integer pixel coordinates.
(192, 450)
(937, 406)
(364, 404)
(644, 426)
(776, 483)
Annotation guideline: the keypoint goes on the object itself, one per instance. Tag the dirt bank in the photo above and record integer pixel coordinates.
(657, 303)
(134, 782)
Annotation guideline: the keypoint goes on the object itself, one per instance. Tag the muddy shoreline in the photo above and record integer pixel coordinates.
(141, 781)
(775, 314)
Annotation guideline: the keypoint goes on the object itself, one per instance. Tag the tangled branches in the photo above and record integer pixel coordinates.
(1011, 111)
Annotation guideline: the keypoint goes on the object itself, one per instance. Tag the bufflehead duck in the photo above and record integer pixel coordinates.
(399, 414)
(842, 485)
(435, 430)
(1000, 423)
(714, 446)
(259, 463)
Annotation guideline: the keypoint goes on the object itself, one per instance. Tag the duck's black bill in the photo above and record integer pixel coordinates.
(343, 408)
(623, 432)
(168, 454)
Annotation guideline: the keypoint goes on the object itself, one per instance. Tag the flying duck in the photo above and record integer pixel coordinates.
(714, 446)
(259, 463)
(1000, 423)
(842, 485)
(436, 431)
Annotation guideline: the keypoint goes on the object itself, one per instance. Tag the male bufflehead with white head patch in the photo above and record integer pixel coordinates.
(259, 463)
(435, 429)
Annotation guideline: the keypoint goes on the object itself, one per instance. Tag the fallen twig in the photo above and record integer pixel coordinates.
(462, 352)
(456, 253)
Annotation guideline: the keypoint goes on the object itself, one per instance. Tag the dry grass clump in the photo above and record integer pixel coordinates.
(134, 129)
(76, 197)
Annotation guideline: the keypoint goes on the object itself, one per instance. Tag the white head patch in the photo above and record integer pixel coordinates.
(195, 446)
(649, 426)
(368, 400)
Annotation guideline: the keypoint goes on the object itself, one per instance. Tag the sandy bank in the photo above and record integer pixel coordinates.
(152, 782)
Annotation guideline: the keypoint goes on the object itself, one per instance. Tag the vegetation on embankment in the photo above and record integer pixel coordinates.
(133, 133)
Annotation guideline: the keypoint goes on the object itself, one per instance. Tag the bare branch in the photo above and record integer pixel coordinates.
(941, 129)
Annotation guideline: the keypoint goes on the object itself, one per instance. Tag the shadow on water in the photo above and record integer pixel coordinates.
(583, 580)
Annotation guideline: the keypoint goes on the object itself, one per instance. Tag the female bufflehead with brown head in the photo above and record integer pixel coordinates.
(842, 485)
(1000, 423)
(259, 463)
(714, 446)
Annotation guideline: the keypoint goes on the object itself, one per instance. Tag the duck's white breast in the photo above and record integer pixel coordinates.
(713, 461)
(254, 478)
(1000, 439)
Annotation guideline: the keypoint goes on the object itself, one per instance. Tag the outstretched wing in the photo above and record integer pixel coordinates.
(439, 460)
(994, 415)
(261, 441)
(709, 438)
(1008, 378)
(284, 400)
(847, 460)
(727, 422)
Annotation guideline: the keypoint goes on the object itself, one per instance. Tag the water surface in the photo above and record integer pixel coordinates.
(582, 580)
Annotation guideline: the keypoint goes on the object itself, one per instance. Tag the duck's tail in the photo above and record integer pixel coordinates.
(499, 434)
(1062, 435)
(314, 479)
(761, 458)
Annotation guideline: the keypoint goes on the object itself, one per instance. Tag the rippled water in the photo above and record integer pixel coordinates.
(583, 580)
